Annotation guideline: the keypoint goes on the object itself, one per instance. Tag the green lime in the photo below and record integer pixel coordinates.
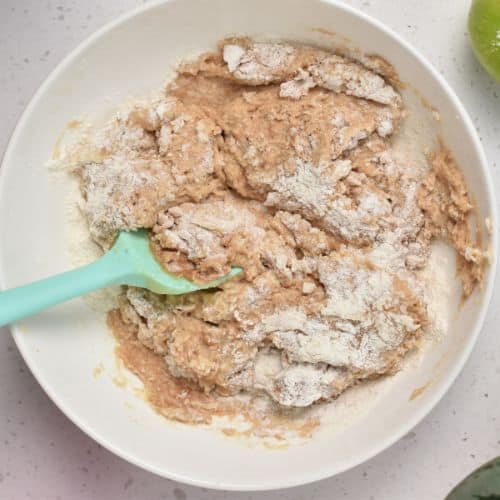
(482, 484)
(484, 31)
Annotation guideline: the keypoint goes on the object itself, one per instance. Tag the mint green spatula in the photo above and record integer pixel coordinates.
(128, 262)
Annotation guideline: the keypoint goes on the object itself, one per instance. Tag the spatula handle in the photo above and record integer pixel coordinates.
(25, 300)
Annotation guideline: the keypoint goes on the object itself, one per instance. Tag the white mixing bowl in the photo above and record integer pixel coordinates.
(63, 346)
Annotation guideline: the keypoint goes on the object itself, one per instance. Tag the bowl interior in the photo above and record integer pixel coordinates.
(64, 345)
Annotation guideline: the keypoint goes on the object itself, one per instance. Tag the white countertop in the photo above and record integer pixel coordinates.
(44, 456)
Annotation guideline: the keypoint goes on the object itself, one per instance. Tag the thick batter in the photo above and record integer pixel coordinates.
(278, 159)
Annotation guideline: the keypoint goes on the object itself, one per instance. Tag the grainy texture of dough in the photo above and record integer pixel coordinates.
(276, 158)
(444, 199)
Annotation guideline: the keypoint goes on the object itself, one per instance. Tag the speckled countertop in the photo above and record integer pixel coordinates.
(44, 456)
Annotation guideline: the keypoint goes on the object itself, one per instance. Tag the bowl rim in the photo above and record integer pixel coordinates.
(419, 413)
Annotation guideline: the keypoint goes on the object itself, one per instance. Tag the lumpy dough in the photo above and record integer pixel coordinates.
(276, 158)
